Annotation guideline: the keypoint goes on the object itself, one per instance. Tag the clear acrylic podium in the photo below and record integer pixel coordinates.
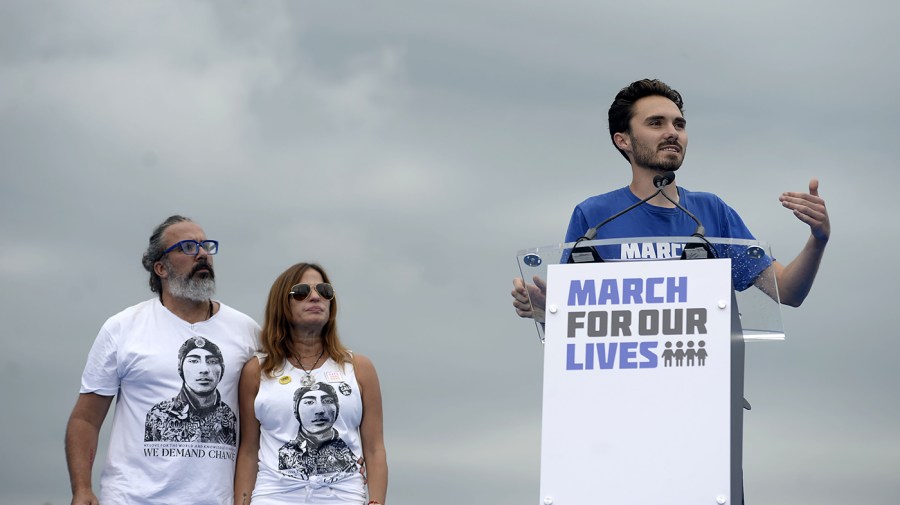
(644, 369)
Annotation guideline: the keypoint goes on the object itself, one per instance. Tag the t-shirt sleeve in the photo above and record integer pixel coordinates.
(253, 331)
(577, 226)
(746, 263)
(101, 374)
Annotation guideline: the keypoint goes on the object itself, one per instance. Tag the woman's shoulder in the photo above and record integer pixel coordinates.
(362, 366)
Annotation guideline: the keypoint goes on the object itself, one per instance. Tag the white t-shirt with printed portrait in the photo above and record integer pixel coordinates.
(165, 447)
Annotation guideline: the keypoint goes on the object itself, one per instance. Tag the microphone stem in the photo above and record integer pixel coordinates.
(700, 231)
(592, 232)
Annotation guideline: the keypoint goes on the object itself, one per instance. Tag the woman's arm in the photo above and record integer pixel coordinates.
(247, 464)
(371, 430)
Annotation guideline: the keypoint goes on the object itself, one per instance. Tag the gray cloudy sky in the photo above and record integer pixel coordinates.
(413, 147)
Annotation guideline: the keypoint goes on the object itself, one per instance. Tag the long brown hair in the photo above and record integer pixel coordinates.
(275, 336)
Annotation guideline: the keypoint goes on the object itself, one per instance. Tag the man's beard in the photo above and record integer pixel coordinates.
(191, 286)
(647, 157)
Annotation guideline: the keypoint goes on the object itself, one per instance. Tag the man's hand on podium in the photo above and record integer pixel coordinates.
(530, 299)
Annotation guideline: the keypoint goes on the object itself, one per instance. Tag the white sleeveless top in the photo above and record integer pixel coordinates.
(319, 462)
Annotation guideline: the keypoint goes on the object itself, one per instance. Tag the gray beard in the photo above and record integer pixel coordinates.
(197, 289)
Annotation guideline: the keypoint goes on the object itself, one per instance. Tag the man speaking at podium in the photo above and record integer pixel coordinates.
(647, 126)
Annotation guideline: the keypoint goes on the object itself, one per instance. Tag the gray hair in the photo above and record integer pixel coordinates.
(155, 250)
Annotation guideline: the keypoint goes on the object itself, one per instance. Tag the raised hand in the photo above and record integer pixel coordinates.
(809, 208)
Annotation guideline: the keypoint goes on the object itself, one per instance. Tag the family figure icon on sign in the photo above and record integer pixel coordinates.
(685, 357)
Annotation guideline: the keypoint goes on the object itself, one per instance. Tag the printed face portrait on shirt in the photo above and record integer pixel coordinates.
(196, 413)
(202, 371)
(201, 365)
(317, 409)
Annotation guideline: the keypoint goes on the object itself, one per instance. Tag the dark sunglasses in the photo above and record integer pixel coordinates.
(301, 292)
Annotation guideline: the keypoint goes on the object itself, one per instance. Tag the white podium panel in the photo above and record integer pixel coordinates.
(637, 391)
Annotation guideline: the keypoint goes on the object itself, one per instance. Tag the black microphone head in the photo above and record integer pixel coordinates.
(664, 179)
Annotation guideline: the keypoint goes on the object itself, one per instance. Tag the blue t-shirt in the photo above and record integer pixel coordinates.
(647, 220)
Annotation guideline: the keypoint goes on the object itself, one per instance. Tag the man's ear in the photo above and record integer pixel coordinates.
(622, 141)
(160, 270)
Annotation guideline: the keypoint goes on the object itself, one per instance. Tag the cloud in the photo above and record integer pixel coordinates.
(413, 149)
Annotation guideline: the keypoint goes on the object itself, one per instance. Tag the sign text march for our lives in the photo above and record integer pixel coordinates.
(636, 382)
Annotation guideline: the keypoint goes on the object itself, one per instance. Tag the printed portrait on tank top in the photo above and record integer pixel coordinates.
(318, 448)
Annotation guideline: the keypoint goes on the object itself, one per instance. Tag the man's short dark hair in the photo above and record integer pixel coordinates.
(622, 109)
(155, 250)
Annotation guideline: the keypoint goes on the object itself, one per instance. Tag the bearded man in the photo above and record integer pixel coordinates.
(648, 127)
(132, 359)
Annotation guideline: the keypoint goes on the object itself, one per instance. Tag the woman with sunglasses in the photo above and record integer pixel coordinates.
(310, 410)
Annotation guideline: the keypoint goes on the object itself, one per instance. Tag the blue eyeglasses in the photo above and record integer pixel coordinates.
(192, 247)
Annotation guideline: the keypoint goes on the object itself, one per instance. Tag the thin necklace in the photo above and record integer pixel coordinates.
(209, 313)
(307, 379)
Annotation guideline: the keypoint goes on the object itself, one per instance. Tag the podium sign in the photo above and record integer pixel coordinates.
(760, 313)
(639, 388)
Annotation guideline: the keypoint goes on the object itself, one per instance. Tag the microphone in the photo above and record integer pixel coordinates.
(700, 230)
(587, 254)
(664, 179)
(694, 250)
(660, 181)
(691, 251)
